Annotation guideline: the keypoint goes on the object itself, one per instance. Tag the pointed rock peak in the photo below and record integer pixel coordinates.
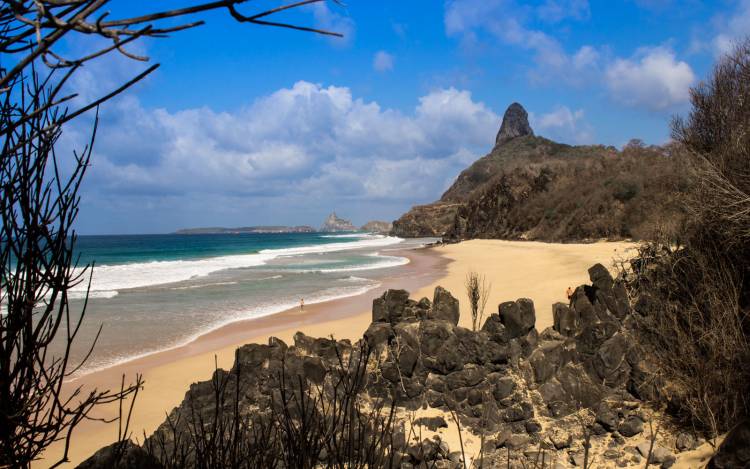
(515, 124)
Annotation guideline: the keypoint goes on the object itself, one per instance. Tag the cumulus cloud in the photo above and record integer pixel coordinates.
(732, 28)
(564, 125)
(383, 61)
(307, 145)
(508, 22)
(653, 79)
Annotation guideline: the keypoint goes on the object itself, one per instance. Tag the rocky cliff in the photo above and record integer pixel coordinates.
(333, 224)
(529, 187)
(376, 226)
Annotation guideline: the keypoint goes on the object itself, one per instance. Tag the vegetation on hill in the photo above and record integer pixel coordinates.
(533, 188)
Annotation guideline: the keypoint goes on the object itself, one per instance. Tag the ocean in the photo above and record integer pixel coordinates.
(154, 292)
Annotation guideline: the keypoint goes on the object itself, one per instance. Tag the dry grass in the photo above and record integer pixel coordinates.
(692, 287)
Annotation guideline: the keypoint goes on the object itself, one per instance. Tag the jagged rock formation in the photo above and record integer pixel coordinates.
(521, 391)
(529, 187)
(375, 226)
(515, 124)
(334, 224)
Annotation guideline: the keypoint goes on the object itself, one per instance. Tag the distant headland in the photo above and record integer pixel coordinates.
(248, 229)
(332, 224)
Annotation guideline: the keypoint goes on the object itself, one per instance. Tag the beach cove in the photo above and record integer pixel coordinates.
(515, 269)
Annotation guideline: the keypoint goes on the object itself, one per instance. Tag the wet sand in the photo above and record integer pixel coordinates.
(168, 374)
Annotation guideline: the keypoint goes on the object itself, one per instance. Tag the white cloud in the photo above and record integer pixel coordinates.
(383, 61)
(307, 145)
(653, 79)
(732, 28)
(563, 125)
(506, 21)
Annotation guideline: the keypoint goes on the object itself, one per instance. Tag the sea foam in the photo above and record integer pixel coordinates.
(112, 278)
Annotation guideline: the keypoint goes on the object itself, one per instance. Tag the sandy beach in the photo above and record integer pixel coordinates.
(540, 271)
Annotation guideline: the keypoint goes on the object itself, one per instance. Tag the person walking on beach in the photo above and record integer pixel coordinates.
(301, 304)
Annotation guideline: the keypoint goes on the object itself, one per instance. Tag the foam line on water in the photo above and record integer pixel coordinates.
(144, 274)
(329, 294)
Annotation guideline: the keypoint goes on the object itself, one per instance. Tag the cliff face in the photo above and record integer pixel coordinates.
(376, 226)
(334, 224)
(529, 187)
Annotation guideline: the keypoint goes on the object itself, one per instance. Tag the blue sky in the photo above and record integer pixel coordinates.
(245, 125)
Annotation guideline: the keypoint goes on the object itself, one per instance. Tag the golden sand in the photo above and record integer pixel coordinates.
(540, 271)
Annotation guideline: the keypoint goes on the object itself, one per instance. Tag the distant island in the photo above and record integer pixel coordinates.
(248, 229)
(335, 224)
(332, 224)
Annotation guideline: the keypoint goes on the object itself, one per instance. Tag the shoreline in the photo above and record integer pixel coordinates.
(515, 269)
(168, 373)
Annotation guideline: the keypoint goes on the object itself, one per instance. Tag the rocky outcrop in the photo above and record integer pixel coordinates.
(529, 187)
(379, 227)
(433, 220)
(523, 391)
(515, 124)
(334, 224)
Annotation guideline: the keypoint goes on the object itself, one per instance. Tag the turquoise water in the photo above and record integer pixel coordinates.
(120, 249)
(154, 292)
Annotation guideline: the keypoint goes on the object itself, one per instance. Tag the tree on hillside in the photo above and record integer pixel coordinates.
(40, 201)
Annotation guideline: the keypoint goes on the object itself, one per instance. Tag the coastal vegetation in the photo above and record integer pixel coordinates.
(529, 187)
(691, 285)
(637, 367)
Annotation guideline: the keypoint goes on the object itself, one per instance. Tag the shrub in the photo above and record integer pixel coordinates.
(692, 288)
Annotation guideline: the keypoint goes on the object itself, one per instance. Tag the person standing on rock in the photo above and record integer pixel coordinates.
(569, 293)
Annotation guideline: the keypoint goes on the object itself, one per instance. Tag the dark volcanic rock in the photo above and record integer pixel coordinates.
(445, 306)
(518, 317)
(378, 333)
(631, 426)
(440, 346)
(600, 277)
(390, 306)
(515, 124)
(124, 455)
(565, 321)
(610, 363)
(432, 423)
(607, 417)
